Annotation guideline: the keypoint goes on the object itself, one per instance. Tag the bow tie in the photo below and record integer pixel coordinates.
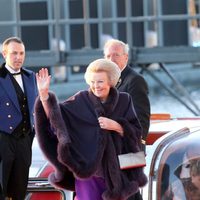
(15, 74)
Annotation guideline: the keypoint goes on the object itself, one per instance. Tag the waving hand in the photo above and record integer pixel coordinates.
(43, 83)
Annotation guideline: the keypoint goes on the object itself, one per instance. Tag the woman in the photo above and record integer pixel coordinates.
(82, 136)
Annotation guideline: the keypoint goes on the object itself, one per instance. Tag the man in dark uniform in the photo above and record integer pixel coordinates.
(18, 91)
(132, 83)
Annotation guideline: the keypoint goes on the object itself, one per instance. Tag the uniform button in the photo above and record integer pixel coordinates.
(23, 106)
(7, 104)
(10, 127)
(24, 129)
(9, 116)
(33, 126)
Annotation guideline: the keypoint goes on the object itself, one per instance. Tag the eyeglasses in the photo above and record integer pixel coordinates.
(115, 55)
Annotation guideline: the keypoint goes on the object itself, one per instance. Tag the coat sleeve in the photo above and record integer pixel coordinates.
(138, 89)
(49, 134)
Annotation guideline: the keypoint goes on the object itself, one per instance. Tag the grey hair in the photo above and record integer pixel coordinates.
(103, 65)
(116, 42)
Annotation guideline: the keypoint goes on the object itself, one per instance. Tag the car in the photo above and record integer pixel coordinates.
(167, 143)
(175, 147)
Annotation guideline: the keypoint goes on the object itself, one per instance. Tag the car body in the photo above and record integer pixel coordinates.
(166, 159)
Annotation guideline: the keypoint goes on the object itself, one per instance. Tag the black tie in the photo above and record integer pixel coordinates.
(15, 74)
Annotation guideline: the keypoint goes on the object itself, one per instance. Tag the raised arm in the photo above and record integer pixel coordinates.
(43, 83)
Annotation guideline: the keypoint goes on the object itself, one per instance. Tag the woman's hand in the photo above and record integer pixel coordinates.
(109, 124)
(43, 83)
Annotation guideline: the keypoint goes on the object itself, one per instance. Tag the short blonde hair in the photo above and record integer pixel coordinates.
(9, 40)
(103, 65)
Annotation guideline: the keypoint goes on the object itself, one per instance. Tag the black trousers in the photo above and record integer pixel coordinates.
(15, 160)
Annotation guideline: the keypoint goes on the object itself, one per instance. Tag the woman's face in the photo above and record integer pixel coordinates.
(100, 85)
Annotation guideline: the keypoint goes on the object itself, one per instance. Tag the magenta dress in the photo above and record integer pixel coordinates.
(90, 189)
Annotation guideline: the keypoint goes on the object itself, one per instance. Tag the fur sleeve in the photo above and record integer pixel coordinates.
(49, 132)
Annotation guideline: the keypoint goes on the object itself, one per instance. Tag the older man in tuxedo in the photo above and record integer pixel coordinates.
(132, 83)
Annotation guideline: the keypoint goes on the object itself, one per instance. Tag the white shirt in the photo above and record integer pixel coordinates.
(18, 78)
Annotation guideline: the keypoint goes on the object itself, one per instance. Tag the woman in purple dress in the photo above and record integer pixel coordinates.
(83, 136)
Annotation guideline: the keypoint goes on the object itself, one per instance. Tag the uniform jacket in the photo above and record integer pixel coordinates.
(9, 107)
(134, 84)
(74, 143)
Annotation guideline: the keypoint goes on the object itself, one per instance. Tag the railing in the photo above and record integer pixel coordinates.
(129, 20)
(139, 55)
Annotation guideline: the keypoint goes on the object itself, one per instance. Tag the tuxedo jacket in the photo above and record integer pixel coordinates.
(11, 116)
(134, 84)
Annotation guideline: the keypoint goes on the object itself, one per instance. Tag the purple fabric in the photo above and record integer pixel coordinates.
(90, 189)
